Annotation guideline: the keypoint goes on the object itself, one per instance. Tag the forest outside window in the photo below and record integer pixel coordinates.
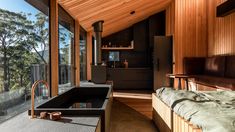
(24, 53)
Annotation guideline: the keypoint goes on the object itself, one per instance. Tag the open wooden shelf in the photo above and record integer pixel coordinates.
(117, 48)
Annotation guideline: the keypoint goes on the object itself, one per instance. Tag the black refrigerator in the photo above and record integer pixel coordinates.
(162, 61)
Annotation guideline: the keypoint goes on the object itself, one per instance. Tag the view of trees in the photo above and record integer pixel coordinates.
(24, 56)
(22, 43)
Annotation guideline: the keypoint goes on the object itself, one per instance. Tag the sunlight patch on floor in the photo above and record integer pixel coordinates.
(132, 94)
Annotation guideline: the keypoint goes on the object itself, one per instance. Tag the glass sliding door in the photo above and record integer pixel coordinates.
(66, 51)
(24, 53)
(83, 54)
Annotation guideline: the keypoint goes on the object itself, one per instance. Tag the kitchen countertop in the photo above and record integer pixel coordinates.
(23, 123)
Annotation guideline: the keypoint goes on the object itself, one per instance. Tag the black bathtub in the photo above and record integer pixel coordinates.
(81, 101)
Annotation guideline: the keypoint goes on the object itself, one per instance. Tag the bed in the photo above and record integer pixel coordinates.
(194, 111)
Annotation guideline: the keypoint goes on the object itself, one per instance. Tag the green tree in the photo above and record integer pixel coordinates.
(64, 36)
(39, 37)
(20, 65)
(19, 36)
(14, 29)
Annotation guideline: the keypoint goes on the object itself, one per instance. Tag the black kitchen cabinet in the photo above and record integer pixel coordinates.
(139, 75)
(140, 36)
(131, 78)
(156, 26)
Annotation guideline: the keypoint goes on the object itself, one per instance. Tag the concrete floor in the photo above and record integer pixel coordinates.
(126, 119)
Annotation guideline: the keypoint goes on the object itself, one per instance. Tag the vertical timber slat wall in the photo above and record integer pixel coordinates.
(197, 30)
(170, 26)
(190, 30)
(221, 31)
(170, 18)
(54, 46)
(77, 53)
(89, 54)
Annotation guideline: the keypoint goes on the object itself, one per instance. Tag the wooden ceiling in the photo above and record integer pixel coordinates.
(115, 13)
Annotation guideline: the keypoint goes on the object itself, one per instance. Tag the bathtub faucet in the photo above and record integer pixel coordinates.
(32, 95)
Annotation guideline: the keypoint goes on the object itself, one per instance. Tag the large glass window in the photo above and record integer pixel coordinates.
(66, 51)
(83, 60)
(24, 55)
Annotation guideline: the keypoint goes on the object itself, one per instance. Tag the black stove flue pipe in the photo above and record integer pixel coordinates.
(98, 29)
(98, 71)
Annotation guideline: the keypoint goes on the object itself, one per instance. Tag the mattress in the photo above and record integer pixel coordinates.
(212, 111)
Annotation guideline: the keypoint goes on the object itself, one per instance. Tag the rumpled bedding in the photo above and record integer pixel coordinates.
(213, 111)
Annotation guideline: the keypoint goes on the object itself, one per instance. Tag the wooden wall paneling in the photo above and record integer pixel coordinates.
(198, 32)
(170, 18)
(77, 53)
(54, 46)
(221, 31)
(89, 54)
(170, 26)
(211, 26)
(190, 30)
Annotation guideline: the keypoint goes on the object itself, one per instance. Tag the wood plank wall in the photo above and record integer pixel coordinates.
(221, 31)
(170, 19)
(170, 26)
(190, 35)
(197, 31)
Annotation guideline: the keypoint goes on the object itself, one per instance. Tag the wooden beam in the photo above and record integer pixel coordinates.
(54, 46)
(89, 54)
(77, 53)
(226, 8)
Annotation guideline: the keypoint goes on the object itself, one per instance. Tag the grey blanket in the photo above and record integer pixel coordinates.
(213, 111)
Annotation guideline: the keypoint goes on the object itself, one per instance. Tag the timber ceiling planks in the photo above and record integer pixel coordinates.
(115, 13)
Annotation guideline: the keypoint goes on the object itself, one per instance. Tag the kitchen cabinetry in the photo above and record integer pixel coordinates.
(140, 36)
(131, 78)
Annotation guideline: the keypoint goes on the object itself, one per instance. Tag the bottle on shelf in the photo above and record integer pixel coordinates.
(132, 43)
(125, 63)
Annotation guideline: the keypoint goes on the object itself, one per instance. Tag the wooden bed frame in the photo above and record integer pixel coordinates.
(167, 120)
